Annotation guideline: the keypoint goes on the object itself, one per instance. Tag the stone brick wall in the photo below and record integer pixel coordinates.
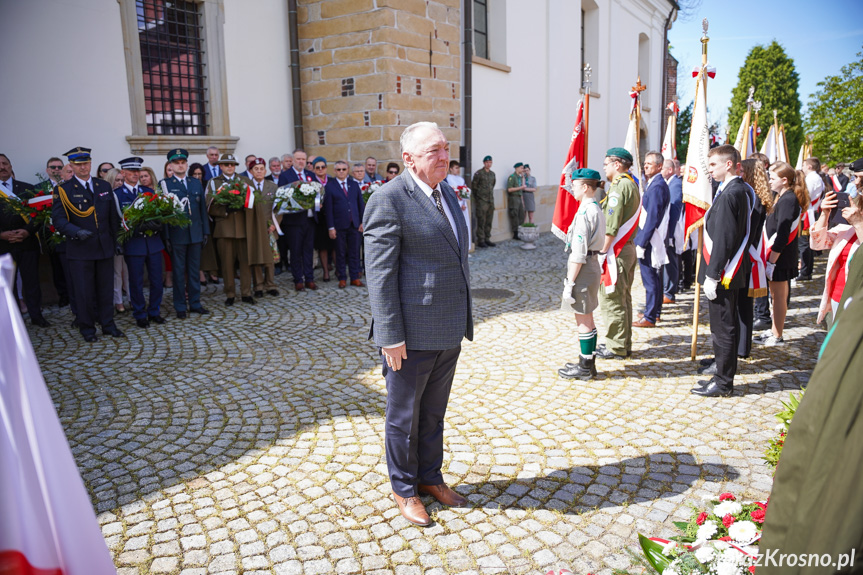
(671, 92)
(369, 68)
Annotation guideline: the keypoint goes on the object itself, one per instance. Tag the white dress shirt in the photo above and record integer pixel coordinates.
(428, 192)
(6, 188)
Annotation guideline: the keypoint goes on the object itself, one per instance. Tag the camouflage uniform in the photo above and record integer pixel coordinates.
(515, 207)
(482, 188)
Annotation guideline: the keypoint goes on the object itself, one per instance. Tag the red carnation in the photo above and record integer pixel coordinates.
(51, 228)
(235, 192)
(32, 214)
(702, 517)
(752, 568)
(758, 515)
(728, 520)
(39, 208)
(727, 497)
(761, 505)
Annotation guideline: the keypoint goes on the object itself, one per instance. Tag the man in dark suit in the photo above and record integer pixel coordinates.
(18, 238)
(211, 168)
(186, 243)
(416, 246)
(343, 208)
(725, 268)
(674, 237)
(650, 240)
(141, 250)
(85, 212)
(298, 229)
(275, 170)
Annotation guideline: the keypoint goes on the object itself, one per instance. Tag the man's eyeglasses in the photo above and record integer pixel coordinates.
(341, 169)
(60, 167)
(320, 167)
(392, 171)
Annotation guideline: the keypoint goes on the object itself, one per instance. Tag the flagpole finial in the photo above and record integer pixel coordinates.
(586, 82)
(775, 113)
(704, 41)
(756, 105)
(750, 99)
(704, 25)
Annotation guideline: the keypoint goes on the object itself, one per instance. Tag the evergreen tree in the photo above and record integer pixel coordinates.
(776, 80)
(835, 117)
(684, 125)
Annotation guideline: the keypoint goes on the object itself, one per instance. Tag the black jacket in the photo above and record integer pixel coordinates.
(785, 211)
(103, 222)
(10, 220)
(726, 225)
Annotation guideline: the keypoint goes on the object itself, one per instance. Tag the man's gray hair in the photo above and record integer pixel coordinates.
(657, 157)
(668, 164)
(213, 148)
(410, 138)
(273, 159)
(358, 165)
(286, 156)
(340, 162)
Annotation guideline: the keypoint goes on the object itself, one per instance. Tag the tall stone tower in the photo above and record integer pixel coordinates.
(369, 68)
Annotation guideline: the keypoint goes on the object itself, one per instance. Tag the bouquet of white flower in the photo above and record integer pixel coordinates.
(298, 197)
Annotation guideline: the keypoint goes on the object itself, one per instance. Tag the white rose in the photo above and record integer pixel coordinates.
(743, 531)
(704, 553)
(727, 508)
(706, 531)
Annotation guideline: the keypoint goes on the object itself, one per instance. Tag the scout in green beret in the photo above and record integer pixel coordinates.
(482, 188)
(585, 238)
(515, 185)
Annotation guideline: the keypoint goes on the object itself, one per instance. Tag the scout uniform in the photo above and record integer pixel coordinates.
(621, 208)
(515, 205)
(86, 213)
(482, 187)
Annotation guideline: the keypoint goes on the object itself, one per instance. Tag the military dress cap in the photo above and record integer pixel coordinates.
(621, 153)
(517, 165)
(257, 162)
(486, 159)
(178, 154)
(228, 159)
(133, 163)
(585, 174)
(78, 155)
(857, 166)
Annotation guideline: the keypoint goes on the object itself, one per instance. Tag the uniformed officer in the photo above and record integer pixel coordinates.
(186, 242)
(85, 212)
(265, 223)
(586, 237)
(515, 185)
(482, 187)
(141, 250)
(621, 208)
(230, 233)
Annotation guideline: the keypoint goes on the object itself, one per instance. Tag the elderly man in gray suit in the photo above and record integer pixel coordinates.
(416, 246)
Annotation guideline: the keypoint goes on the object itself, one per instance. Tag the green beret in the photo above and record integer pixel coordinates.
(527, 166)
(486, 159)
(586, 174)
(518, 165)
(621, 153)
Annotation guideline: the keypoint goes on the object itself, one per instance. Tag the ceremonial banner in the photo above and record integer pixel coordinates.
(782, 145)
(697, 192)
(631, 142)
(47, 524)
(567, 205)
(770, 146)
(669, 143)
(742, 141)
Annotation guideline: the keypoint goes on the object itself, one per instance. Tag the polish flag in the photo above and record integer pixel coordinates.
(40, 201)
(47, 524)
(249, 203)
(697, 192)
(567, 205)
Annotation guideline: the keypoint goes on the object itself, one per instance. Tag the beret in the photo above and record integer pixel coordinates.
(517, 165)
(585, 174)
(486, 159)
(621, 153)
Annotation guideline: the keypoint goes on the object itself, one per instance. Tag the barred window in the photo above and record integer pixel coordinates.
(173, 67)
(480, 28)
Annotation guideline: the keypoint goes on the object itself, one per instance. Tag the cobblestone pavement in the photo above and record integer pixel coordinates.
(251, 440)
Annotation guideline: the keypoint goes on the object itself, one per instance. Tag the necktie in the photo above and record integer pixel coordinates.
(259, 187)
(437, 202)
(135, 190)
(345, 188)
(87, 187)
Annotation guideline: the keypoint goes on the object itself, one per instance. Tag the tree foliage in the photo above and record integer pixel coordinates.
(775, 79)
(684, 125)
(835, 116)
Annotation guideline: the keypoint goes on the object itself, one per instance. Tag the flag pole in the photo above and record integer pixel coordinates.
(586, 109)
(693, 348)
(749, 101)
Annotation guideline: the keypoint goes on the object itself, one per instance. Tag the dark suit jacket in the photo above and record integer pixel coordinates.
(207, 175)
(654, 203)
(417, 272)
(104, 222)
(9, 220)
(726, 225)
(340, 209)
(675, 211)
(271, 178)
(289, 176)
(196, 210)
(139, 244)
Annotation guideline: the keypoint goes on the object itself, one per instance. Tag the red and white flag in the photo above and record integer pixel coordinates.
(47, 524)
(669, 143)
(697, 192)
(567, 205)
(249, 202)
(40, 201)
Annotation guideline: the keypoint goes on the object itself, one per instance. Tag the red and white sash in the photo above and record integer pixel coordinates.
(730, 268)
(792, 237)
(844, 234)
(758, 274)
(624, 234)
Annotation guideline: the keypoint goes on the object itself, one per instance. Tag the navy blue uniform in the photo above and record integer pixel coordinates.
(141, 251)
(655, 203)
(186, 242)
(343, 209)
(299, 229)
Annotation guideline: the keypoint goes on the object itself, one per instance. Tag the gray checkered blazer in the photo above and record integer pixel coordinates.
(416, 271)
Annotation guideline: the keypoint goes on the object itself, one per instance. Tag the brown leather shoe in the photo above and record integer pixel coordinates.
(413, 510)
(643, 323)
(300, 287)
(342, 284)
(312, 285)
(443, 494)
(357, 283)
(666, 299)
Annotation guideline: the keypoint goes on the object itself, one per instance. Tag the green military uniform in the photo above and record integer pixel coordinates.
(816, 505)
(515, 205)
(621, 204)
(482, 188)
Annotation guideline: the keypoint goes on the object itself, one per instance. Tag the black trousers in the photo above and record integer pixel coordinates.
(417, 396)
(283, 245)
(58, 277)
(94, 293)
(348, 243)
(70, 286)
(687, 274)
(745, 310)
(762, 308)
(726, 334)
(807, 258)
(301, 242)
(28, 267)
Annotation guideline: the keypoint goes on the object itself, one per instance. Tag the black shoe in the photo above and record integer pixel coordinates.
(113, 332)
(707, 361)
(604, 353)
(199, 310)
(711, 388)
(482, 245)
(64, 301)
(762, 325)
(91, 338)
(490, 243)
(273, 292)
(157, 319)
(803, 278)
(258, 293)
(707, 369)
(229, 301)
(40, 321)
(585, 370)
(248, 299)
(142, 322)
(181, 315)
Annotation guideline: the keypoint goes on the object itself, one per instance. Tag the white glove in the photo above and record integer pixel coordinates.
(567, 291)
(770, 268)
(710, 286)
(601, 258)
(639, 252)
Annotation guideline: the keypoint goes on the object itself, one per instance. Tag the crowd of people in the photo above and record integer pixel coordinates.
(521, 203)
(761, 231)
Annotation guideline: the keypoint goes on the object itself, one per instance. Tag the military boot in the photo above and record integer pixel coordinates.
(585, 370)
